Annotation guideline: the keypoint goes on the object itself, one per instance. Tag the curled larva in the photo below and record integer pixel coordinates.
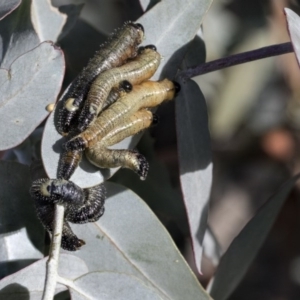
(102, 157)
(147, 94)
(122, 45)
(81, 206)
(136, 71)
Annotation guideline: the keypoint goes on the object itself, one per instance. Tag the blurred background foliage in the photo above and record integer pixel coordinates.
(254, 112)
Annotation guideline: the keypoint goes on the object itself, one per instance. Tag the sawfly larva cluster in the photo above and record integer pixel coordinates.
(109, 101)
(146, 95)
(141, 68)
(124, 118)
(122, 45)
(81, 206)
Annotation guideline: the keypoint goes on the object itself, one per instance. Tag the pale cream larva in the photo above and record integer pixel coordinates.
(147, 94)
(135, 71)
(102, 157)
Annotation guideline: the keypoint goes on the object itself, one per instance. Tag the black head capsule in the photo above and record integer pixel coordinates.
(141, 50)
(138, 26)
(155, 119)
(177, 87)
(152, 47)
(126, 86)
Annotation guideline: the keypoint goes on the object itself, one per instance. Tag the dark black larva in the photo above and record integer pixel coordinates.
(81, 206)
(68, 162)
(123, 44)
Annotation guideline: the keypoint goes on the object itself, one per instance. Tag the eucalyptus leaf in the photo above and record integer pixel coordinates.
(32, 82)
(293, 22)
(211, 247)
(7, 7)
(148, 4)
(42, 15)
(29, 282)
(21, 235)
(245, 246)
(144, 4)
(195, 163)
(130, 239)
(183, 21)
(194, 151)
(116, 286)
(17, 35)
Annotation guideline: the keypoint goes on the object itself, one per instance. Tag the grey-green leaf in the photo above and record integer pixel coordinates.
(17, 35)
(293, 22)
(116, 286)
(245, 246)
(130, 239)
(170, 32)
(194, 151)
(47, 20)
(32, 82)
(21, 235)
(29, 282)
(194, 160)
(148, 4)
(7, 6)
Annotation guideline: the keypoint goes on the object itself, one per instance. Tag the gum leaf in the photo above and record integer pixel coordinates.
(31, 83)
(130, 239)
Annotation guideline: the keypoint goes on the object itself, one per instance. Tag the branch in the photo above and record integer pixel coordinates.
(52, 263)
(237, 59)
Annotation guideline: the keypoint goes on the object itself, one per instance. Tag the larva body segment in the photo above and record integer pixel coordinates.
(133, 124)
(136, 71)
(102, 157)
(81, 206)
(92, 208)
(122, 45)
(68, 163)
(147, 94)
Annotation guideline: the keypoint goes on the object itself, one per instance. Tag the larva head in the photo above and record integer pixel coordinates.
(152, 47)
(56, 190)
(149, 51)
(171, 88)
(177, 87)
(155, 119)
(143, 48)
(125, 86)
(41, 190)
(137, 31)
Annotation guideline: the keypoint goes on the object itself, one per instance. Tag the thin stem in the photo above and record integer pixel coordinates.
(237, 59)
(52, 263)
